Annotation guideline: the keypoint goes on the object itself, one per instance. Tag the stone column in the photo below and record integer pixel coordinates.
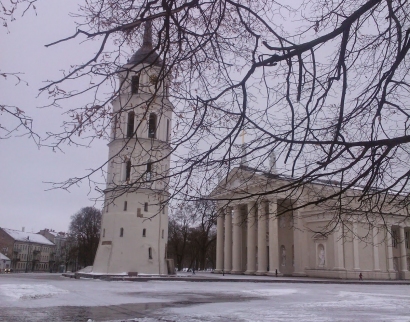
(274, 262)
(236, 244)
(389, 246)
(356, 263)
(376, 260)
(403, 253)
(299, 244)
(262, 251)
(338, 247)
(228, 241)
(220, 242)
(251, 240)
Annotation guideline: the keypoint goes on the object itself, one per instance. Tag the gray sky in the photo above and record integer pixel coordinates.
(24, 168)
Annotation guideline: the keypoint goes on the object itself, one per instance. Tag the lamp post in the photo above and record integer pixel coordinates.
(28, 252)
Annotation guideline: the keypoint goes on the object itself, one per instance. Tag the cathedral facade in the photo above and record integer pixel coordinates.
(134, 228)
(276, 234)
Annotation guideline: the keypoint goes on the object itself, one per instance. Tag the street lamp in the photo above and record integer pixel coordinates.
(28, 252)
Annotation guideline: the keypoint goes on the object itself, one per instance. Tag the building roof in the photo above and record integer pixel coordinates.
(4, 257)
(27, 237)
(146, 53)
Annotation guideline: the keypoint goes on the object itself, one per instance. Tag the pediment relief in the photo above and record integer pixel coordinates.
(319, 236)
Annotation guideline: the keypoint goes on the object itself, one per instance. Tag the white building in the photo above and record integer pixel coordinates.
(134, 226)
(262, 234)
(5, 263)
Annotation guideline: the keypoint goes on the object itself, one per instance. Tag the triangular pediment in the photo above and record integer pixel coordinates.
(239, 180)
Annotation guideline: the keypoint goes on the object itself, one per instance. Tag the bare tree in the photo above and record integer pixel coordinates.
(323, 84)
(85, 235)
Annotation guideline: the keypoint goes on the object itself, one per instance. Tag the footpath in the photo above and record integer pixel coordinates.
(210, 277)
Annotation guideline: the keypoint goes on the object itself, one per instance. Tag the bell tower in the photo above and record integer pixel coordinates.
(134, 229)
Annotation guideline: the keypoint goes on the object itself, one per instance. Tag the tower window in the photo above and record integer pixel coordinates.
(128, 170)
(130, 124)
(152, 125)
(150, 253)
(135, 84)
(162, 234)
(122, 232)
(114, 130)
(104, 232)
(144, 232)
(125, 206)
(167, 138)
(146, 206)
(149, 171)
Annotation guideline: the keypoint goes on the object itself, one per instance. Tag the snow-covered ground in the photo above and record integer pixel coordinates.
(50, 297)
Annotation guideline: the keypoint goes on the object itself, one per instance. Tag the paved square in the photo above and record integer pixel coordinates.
(51, 297)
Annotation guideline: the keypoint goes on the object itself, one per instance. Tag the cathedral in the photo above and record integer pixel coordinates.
(284, 234)
(134, 227)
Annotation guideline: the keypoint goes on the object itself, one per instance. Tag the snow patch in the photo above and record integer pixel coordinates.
(25, 291)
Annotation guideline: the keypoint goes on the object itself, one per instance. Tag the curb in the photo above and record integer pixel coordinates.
(282, 280)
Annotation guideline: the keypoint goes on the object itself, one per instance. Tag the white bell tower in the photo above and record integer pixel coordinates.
(134, 229)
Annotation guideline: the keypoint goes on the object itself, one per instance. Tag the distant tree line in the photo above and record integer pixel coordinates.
(192, 235)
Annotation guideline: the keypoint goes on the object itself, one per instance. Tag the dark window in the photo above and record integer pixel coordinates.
(135, 84)
(125, 206)
(149, 171)
(144, 232)
(139, 212)
(163, 210)
(146, 206)
(162, 234)
(103, 232)
(150, 253)
(121, 232)
(152, 125)
(128, 171)
(115, 126)
(130, 124)
(167, 138)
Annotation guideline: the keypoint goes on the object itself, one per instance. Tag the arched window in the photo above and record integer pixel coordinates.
(114, 127)
(135, 84)
(128, 170)
(146, 206)
(149, 171)
(152, 125)
(167, 138)
(144, 232)
(130, 124)
(125, 205)
(121, 232)
(150, 253)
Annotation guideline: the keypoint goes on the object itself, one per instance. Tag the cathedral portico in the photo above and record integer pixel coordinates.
(275, 236)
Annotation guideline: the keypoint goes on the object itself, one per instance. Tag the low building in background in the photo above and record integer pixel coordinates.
(5, 263)
(28, 252)
(62, 258)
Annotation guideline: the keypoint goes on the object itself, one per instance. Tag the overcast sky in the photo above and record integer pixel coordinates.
(24, 201)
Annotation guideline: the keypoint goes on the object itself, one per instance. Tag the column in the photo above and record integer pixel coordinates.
(403, 253)
(376, 261)
(338, 247)
(228, 241)
(356, 263)
(299, 244)
(251, 240)
(220, 242)
(262, 251)
(389, 246)
(274, 262)
(236, 244)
